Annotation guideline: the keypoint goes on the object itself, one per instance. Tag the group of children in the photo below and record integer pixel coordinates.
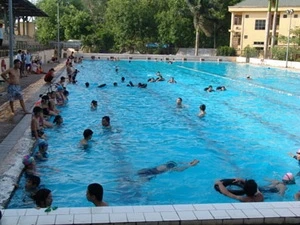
(46, 115)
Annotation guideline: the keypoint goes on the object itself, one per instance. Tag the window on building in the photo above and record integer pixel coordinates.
(237, 20)
(237, 39)
(258, 43)
(260, 24)
(245, 36)
(247, 16)
(284, 16)
(296, 16)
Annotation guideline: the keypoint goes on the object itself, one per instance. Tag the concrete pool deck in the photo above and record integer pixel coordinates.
(18, 142)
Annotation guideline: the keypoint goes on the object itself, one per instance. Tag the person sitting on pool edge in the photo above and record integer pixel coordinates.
(94, 194)
(105, 122)
(250, 188)
(168, 166)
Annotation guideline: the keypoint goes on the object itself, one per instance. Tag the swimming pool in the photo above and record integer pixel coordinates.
(247, 132)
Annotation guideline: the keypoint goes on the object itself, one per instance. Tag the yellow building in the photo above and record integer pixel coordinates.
(249, 23)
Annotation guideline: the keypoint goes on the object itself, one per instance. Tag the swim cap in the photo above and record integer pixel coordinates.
(288, 177)
(298, 151)
(27, 160)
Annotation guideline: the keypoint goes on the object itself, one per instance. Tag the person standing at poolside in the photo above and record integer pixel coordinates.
(14, 88)
(94, 194)
(28, 61)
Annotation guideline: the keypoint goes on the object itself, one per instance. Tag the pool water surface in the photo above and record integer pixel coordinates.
(247, 132)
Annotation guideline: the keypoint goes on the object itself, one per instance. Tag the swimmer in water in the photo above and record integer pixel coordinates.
(251, 191)
(87, 136)
(221, 88)
(58, 120)
(94, 105)
(179, 103)
(202, 112)
(168, 166)
(209, 89)
(297, 156)
(105, 122)
(279, 186)
(172, 80)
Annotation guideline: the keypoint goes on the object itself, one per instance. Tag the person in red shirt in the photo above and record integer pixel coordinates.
(49, 76)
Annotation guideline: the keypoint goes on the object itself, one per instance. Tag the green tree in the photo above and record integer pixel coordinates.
(131, 23)
(296, 36)
(208, 16)
(75, 23)
(47, 28)
(175, 25)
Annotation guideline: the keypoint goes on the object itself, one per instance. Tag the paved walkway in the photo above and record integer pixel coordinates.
(31, 88)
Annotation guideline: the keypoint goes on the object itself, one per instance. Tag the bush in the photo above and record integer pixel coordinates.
(279, 53)
(250, 52)
(226, 51)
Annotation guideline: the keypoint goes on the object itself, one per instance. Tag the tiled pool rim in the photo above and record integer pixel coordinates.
(234, 213)
(223, 213)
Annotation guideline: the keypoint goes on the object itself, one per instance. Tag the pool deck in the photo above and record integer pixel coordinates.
(210, 214)
(15, 141)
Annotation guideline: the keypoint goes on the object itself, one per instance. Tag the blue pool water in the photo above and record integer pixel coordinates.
(247, 132)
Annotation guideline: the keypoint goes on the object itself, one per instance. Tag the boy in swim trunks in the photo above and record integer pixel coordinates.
(14, 88)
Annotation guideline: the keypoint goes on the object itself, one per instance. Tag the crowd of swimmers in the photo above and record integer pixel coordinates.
(46, 115)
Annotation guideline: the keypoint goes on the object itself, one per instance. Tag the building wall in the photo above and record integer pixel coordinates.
(256, 38)
(29, 30)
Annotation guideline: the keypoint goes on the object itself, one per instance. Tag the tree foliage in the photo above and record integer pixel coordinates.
(128, 25)
(208, 16)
